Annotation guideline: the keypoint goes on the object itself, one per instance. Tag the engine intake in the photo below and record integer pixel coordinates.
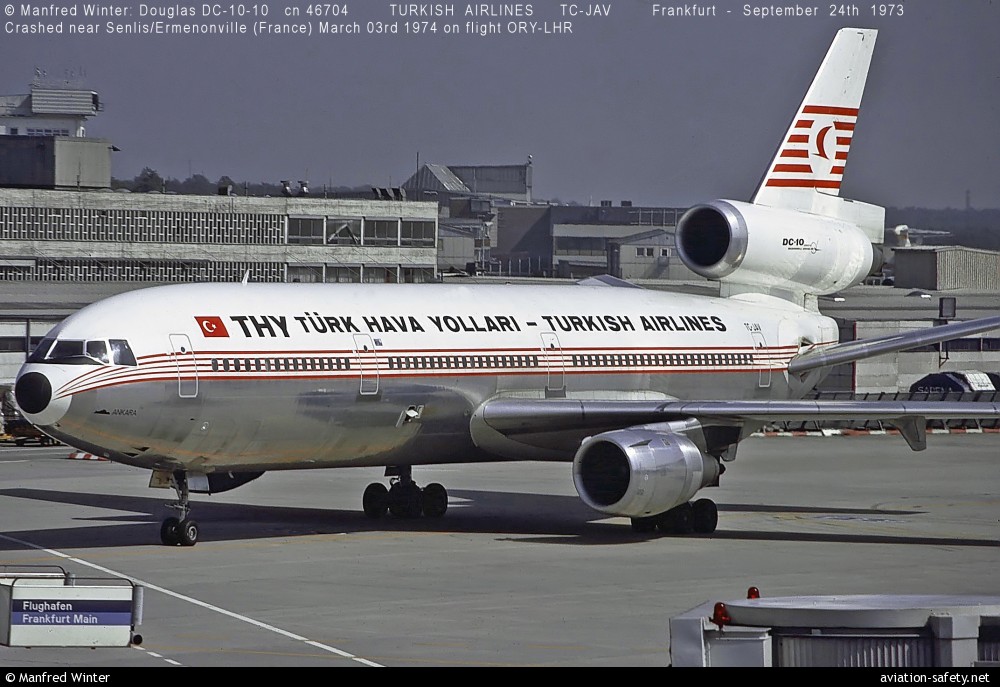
(770, 247)
(640, 472)
(712, 240)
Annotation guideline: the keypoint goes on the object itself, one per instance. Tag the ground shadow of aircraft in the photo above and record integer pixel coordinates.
(538, 518)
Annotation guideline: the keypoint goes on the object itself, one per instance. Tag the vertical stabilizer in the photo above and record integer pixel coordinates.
(813, 153)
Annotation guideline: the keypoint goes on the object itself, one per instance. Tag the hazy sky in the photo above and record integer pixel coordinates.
(657, 110)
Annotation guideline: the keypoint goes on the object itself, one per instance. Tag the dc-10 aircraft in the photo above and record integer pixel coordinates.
(648, 393)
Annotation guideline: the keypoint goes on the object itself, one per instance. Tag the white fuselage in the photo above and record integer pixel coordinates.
(273, 376)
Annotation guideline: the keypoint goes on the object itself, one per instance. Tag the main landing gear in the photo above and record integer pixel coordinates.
(403, 498)
(693, 517)
(182, 530)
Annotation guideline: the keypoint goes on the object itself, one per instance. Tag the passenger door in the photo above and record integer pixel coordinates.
(366, 359)
(187, 368)
(555, 381)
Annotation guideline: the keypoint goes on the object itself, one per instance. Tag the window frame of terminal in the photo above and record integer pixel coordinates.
(52, 351)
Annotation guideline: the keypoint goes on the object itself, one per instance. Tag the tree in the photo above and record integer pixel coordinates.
(226, 183)
(148, 180)
(197, 184)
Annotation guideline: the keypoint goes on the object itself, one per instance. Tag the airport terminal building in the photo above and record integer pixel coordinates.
(83, 236)
(56, 244)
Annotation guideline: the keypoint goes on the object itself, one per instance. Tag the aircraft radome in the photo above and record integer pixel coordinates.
(648, 393)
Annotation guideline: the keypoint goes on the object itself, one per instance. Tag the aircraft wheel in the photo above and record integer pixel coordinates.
(643, 525)
(188, 532)
(677, 520)
(404, 500)
(434, 500)
(170, 533)
(705, 516)
(375, 500)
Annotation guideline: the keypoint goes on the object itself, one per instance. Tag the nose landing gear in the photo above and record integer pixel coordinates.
(179, 531)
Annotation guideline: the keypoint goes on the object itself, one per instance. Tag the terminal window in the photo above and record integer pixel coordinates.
(414, 233)
(306, 230)
(381, 232)
(343, 232)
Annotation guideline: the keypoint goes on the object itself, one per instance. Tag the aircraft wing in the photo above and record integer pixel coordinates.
(850, 351)
(512, 417)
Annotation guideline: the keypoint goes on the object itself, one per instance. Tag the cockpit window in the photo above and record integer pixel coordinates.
(121, 352)
(98, 350)
(76, 352)
(38, 355)
(66, 349)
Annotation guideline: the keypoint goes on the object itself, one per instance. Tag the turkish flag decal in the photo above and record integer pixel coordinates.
(212, 326)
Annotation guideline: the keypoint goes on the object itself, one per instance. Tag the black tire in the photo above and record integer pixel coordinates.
(170, 533)
(188, 532)
(375, 501)
(706, 516)
(644, 525)
(19, 442)
(404, 500)
(434, 500)
(677, 520)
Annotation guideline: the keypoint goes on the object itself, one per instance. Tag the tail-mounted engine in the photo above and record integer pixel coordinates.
(775, 248)
(640, 472)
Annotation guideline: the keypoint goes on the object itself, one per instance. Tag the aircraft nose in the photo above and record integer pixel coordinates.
(33, 393)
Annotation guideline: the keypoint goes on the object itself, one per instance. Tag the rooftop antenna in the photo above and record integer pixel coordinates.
(246, 276)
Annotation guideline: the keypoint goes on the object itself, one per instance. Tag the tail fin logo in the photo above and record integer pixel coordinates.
(815, 152)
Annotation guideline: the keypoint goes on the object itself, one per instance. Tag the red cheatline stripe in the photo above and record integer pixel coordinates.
(807, 169)
(794, 153)
(841, 155)
(843, 126)
(823, 109)
(767, 360)
(804, 124)
(798, 138)
(837, 170)
(843, 140)
(147, 372)
(803, 183)
(505, 372)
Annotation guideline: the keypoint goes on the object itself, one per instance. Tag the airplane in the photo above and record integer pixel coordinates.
(647, 393)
